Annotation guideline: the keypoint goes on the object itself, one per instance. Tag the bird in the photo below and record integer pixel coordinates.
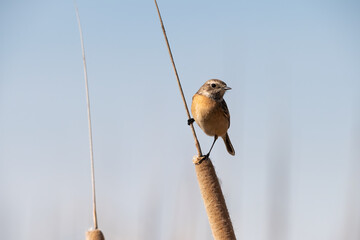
(210, 112)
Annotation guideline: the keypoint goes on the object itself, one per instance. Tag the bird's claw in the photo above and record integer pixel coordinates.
(200, 159)
(190, 121)
(206, 156)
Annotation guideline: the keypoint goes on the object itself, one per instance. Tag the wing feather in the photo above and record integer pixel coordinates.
(225, 110)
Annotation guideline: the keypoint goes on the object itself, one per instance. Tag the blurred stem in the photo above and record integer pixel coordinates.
(89, 119)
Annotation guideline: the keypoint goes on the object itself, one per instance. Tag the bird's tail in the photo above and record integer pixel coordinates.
(229, 146)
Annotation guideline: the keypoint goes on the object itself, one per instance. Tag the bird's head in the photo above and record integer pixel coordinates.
(214, 88)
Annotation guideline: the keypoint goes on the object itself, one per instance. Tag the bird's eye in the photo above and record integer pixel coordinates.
(213, 85)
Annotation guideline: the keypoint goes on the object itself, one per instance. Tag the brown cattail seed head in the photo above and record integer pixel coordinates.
(94, 235)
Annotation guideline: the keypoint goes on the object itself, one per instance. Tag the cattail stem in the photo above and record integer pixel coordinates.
(197, 144)
(210, 189)
(89, 120)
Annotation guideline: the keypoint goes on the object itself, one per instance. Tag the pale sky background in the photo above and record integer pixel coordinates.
(294, 67)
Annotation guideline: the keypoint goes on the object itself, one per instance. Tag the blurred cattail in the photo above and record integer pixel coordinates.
(280, 143)
(94, 235)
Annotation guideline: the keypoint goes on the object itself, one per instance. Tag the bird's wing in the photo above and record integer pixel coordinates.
(225, 110)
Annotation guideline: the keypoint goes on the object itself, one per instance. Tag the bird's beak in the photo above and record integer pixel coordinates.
(227, 88)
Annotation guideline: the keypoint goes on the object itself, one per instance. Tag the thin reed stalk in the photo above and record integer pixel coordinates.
(197, 144)
(95, 234)
(89, 119)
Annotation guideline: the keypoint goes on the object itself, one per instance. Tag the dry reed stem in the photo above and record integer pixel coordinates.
(197, 144)
(89, 118)
(95, 235)
(214, 201)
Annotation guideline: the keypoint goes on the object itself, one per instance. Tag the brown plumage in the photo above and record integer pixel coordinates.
(211, 113)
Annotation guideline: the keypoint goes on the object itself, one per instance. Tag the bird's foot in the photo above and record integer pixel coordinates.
(190, 121)
(198, 160)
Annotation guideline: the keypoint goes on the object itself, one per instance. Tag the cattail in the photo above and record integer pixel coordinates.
(94, 235)
(214, 201)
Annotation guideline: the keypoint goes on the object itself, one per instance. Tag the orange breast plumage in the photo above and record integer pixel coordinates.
(209, 115)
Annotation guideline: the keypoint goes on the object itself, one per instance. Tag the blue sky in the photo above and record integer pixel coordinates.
(294, 70)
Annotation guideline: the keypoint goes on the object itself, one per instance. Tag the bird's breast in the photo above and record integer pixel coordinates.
(209, 115)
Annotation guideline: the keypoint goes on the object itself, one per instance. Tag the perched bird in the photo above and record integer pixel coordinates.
(211, 113)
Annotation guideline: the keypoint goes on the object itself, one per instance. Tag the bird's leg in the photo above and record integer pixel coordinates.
(208, 154)
(190, 121)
